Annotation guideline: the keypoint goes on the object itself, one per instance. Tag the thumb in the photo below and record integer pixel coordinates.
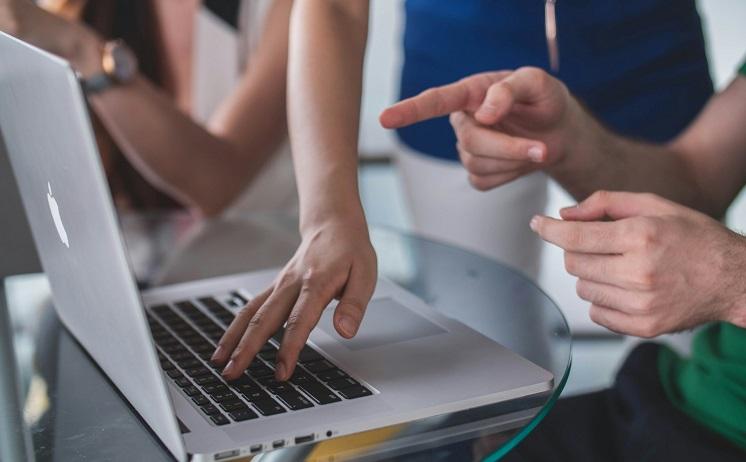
(528, 85)
(616, 206)
(354, 300)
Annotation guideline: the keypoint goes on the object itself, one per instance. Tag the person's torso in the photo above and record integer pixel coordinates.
(639, 65)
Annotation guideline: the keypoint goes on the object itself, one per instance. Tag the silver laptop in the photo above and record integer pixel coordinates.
(407, 362)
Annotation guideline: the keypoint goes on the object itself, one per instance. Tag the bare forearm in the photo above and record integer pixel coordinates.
(327, 45)
(201, 169)
(597, 159)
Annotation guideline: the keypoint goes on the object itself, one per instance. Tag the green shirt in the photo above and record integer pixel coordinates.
(710, 385)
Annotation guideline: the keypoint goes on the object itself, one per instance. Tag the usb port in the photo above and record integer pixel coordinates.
(278, 444)
(256, 448)
(226, 454)
(304, 439)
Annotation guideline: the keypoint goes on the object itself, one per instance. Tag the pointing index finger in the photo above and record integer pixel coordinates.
(465, 95)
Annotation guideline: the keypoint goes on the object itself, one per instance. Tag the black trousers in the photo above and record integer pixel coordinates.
(631, 422)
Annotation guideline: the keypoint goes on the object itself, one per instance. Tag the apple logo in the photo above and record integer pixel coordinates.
(55, 210)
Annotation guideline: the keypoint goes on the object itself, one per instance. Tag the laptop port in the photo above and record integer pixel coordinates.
(278, 444)
(304, 439)
(256, 448)
(226, 454)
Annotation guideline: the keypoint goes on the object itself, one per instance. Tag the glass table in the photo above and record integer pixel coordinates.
(73, 412)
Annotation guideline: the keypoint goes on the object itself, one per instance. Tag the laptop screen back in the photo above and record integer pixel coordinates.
(52, 151)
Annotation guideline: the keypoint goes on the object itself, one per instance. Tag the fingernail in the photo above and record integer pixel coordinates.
(229, 368)
(280, 371)
(219, 352)
(347, 325)
(534, 224)
(536, 154)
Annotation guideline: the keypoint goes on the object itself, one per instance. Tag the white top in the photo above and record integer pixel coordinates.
(221, 56)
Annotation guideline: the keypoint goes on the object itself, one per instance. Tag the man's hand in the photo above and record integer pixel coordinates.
(334, 260)
(657, 267)
(508, 123)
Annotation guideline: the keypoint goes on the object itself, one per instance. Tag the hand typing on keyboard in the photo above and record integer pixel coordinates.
(185, 335)
(332, 261)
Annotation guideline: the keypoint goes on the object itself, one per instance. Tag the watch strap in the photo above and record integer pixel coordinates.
(97, 83)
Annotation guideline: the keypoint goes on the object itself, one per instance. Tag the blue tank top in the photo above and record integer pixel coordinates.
(638, 65)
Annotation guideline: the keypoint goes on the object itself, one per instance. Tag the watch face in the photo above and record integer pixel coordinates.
(119, 62)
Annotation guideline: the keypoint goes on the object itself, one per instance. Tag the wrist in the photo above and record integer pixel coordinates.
(577, 131)
(333, 213)
(736, 301)
(585, 144)
(84, 49)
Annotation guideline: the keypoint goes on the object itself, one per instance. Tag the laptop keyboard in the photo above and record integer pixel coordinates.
(186, 334)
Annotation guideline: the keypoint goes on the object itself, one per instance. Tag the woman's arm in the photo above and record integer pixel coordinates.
(203, 167)
(206, 167)
(335, 258)
(325, 77)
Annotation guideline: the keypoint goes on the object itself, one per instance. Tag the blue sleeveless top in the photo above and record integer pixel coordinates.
(638, 65)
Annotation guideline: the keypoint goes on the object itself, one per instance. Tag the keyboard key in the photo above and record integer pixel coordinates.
(300, 376)
(246, 387)
(308, 354)
(197, 371)
(268, 406)
(200, 400)
(319, 393)
(295, 400)
(237, 295)
(319, 366)
(242, 380)
(225, 397)
(191, 390)
(262, 371)
(219, 419)
(278, 388)
(174, 349)
(331, 374)
(269, 355)
(277, 337)
(206, 380)
(181, 355)
(355, 392)
(341, 384)
(182, 382)
(217, 309)
(256, 395)
(160, 310)
(189, 363)
(213, 389)
(234, 406)
(174, 374)
(210, 409)
(244, 414)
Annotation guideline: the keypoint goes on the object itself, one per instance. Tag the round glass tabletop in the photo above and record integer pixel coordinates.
(74, 412)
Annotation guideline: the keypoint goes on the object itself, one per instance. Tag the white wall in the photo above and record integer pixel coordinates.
(726, 37)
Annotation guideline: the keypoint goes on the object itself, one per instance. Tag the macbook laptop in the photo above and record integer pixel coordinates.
(407, 362)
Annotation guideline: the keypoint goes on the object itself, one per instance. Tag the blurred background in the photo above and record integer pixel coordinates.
(594, 365)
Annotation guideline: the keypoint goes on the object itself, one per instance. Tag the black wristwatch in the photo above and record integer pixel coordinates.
(119, 66)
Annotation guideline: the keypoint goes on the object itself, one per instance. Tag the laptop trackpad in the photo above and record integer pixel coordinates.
(386, 321)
